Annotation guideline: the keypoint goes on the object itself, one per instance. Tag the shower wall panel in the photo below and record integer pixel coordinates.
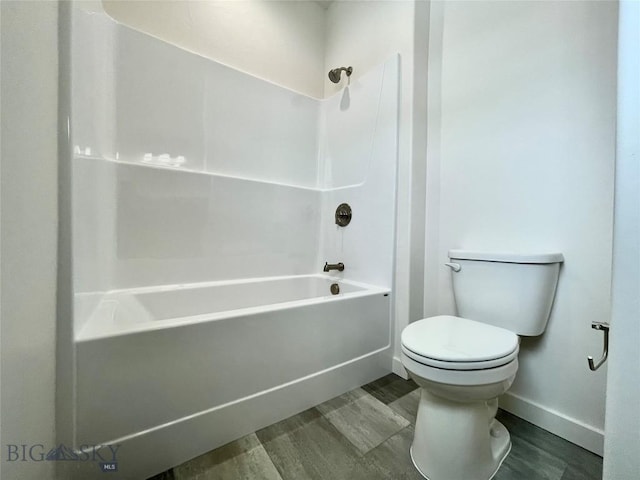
(138, 99)
(186, 170)
(360, 169)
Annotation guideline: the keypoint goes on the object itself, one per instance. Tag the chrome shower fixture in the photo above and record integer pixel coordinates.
(334, 75)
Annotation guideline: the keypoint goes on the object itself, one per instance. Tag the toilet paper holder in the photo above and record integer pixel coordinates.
(604, 327)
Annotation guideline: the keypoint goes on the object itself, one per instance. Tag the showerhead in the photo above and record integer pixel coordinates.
(334, 75)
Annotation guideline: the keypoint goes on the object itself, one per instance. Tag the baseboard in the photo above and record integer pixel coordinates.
(398, 368)
(570, 429)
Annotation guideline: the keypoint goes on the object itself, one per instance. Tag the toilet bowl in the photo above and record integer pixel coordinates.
(462, 366)
(464, 363)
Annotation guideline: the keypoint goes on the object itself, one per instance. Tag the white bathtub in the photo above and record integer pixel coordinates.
(122, 312)
(207, 363)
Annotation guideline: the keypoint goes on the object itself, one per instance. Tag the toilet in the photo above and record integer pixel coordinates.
(463, 363)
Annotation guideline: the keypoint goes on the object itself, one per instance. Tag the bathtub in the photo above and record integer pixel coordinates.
(171, 372)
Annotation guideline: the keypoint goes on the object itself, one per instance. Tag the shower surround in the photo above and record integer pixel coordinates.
(202, 212)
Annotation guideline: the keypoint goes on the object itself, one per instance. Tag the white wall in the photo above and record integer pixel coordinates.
(361, 34)
(280, 41)
(525, 158)
(259, 213)
(359, 160)
(136, 95)
(28, 230)
(622, 440)
(135, 225)
(154, 226)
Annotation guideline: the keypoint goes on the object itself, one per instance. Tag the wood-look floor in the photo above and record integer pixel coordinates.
(366, 434)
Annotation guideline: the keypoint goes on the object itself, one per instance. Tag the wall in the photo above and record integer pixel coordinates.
(28, 230)
(622, 442)
(132, 105)
(161, 227)
(279, 41)
(248, 162)
(361, 34)
(525, 160)
(359, 168)
(271, 159)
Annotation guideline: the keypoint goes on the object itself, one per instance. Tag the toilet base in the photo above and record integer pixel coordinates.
(492, 475)
(454, 441)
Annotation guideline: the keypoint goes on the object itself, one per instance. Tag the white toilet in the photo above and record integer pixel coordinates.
(462, 364)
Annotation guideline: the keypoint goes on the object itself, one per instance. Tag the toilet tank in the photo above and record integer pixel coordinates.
(508, 290)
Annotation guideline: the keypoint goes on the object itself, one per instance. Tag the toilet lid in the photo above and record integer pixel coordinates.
(453, 339)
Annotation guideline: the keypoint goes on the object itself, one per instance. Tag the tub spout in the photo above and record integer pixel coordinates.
(333, 266)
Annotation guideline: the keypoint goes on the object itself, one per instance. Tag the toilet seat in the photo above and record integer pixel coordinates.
(466, 378)
(483, 365)
(454, 343)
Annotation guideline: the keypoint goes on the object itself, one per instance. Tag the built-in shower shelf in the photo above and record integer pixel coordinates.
(180, 169)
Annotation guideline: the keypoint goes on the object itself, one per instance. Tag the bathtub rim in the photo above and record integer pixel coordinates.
(87, 334)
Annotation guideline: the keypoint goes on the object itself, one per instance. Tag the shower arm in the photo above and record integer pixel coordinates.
(335, 74)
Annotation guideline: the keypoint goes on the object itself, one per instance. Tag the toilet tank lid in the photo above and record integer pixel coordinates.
(506, 256)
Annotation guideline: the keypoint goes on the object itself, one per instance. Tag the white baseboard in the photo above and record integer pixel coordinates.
(399, 369)
(570, 429)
